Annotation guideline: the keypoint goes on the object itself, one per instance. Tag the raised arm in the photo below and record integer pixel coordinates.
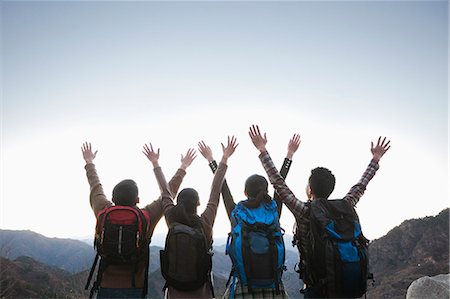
(166, 197)
(378, 152)
(186, 161)
(259, 141)
(228, 201)
(155, 208)
(210, 212)
(293, 146)
(97, 197)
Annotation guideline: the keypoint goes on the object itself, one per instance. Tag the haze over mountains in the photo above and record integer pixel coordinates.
(36, 266)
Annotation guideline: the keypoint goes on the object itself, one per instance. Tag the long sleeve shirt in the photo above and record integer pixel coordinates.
(298, 207)
(207, 219)
(119, 276)
(228, 197)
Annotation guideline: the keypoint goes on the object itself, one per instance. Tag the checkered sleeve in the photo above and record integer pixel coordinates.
(295, 205)
(357, 190)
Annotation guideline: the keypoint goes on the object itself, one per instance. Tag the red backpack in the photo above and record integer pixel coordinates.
(120, 239)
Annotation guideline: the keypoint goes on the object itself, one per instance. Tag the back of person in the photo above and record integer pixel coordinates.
(337, 252)
(256, 247)
(121, 240)
(186, 261)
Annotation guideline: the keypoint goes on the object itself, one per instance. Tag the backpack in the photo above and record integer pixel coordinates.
(120, 239)
(186, 260)
(336, 262)
(256, 247)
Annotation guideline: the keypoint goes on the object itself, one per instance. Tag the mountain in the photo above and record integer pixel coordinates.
(67, 254)
(415, 248)
(27, 278)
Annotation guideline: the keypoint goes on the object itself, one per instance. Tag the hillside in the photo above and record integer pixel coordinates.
(67, 254)
(415, 248)
(27, 278)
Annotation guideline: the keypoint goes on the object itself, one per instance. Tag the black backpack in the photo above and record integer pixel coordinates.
(336, 264)
(120, 239)
(186, 260)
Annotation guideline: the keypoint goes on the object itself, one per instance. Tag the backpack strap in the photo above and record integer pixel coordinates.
(147, 254)
(96, 285)
(274, 254)
(91, 273)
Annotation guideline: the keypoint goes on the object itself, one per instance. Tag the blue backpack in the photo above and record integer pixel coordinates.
(256, 247)
(338, 251)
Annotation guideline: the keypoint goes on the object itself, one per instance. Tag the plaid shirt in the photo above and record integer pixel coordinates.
(301, 210)
(241, 292)
(298, 207)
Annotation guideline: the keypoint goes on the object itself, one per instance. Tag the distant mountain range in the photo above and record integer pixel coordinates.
(39, 267)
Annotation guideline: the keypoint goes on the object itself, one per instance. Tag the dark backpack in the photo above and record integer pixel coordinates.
(256, 246)
(336, 261)
(186, 260)
(120, 239)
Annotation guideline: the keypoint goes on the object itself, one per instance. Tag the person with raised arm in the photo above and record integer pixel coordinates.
(228, 200)
(126, 279)
(186, 262)
(320, 215)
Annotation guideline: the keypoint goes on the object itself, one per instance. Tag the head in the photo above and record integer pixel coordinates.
(188, 198)
(186, 209)
(320, 184)
(256, 190)
(125, 193)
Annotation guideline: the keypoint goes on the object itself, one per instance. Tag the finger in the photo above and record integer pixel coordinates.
(223, 147)
(378, 143)
(151, 147)
(387, 144)
(158, 152)
(371, 145)
(384, 139)
(265, 136)
(146, 148)
(257, 130)
(387, 148)
(95, 154)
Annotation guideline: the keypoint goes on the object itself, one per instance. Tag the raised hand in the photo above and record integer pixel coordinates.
(293, 146)
(229, 149)
(88, 155)
(380, 149)
(186, 161)
(151, 154)
(258, 140)
(206, 151)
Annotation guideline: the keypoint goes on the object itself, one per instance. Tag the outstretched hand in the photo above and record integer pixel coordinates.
(258, 140)
(206, 151)
(88, 155)
(293, 146)
(380, 149)
(186, 161)
(229, 149)
(151, 154)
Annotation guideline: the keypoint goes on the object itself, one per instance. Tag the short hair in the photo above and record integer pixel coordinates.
(125, 193)
(321, 182)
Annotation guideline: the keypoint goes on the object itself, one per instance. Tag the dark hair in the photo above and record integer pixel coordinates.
(321, 182)
(256, 190)
(125, 193)
(185, 211)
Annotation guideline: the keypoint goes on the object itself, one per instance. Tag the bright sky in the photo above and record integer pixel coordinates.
(120, 74)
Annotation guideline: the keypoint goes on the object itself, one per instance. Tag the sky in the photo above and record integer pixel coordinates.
(120, 74)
